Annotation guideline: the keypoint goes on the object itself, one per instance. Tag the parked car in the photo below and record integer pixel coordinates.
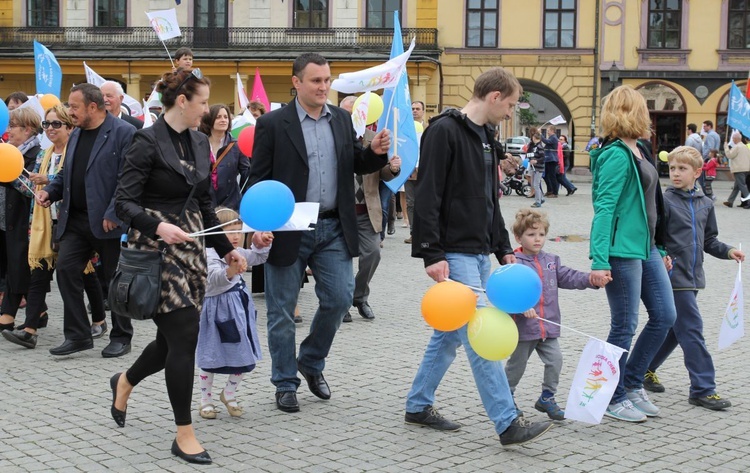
(515, 144)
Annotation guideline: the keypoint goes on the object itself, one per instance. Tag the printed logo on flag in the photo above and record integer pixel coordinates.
(161, 25)
(45, 69)
(596, 378)
(733, 312)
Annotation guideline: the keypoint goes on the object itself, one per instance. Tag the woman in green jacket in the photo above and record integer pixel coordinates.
(623, 249)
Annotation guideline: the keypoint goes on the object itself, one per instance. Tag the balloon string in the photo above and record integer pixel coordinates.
(544, 320)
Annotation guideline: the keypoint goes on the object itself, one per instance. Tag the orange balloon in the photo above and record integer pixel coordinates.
(11, 162)
(448, 305)
(48, 101)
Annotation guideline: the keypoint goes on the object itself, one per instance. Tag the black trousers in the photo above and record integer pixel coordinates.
(76, 246)
(174, 352)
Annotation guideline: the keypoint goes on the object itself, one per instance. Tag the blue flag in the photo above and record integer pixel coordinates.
(738, 112)
(48, 72)
(407, 145)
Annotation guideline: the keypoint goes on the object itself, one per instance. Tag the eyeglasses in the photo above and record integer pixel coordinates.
(54, 124)
(196, 73)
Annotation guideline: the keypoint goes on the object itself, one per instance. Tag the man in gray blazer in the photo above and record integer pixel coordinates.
(87, 221)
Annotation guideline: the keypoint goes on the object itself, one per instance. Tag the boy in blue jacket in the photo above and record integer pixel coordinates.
(530, 230)
(691, 229)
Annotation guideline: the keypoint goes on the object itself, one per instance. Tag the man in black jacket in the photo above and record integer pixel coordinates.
(457, 225)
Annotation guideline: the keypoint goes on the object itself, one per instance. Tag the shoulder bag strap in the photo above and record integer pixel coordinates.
(221, 156)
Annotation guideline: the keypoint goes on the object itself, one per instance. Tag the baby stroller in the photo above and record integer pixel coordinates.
(516, 182)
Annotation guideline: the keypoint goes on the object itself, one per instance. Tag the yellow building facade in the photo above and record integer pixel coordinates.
(681, 55)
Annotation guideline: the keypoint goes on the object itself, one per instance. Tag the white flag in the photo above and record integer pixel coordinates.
(154, 100)
(148, 120)
(558, 120)
(93, 78)
(244, 102)
(359, 115)
(733, 323)
(596, 378)
(382, 76)
(164, 22)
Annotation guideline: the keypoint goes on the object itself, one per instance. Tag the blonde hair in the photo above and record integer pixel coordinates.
(26, 118)
(625, 114)
(529, 218)
(62, 114)
(686, 155)
(226, 215)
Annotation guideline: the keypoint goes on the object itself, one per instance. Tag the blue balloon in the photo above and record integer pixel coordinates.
(4, 116)
(514, 288)
(267, 206)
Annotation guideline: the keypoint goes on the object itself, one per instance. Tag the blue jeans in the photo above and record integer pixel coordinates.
(688, 332)
(472, 270)
(634, 280)
(325, 251)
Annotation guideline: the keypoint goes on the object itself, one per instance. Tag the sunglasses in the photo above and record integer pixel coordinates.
(196, 73)
(54, 124)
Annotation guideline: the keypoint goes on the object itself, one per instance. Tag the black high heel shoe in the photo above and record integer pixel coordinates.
(202, 458)
(117, 414)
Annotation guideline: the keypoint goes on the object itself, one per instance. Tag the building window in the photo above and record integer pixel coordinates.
(664, 24)
(210, 14)
(111, 13)
(481, 24)
(311, 13)
(559, 23)
(380, 13)
(739, 24)
(43, 13)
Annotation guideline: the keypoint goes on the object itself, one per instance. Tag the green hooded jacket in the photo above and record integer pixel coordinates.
(620, 224)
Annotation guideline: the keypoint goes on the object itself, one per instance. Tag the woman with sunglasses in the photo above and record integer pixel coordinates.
(15, 204)
(42, 253)
(227, 161)
(166, 164)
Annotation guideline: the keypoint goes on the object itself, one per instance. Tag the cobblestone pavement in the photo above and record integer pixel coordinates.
(55, 413)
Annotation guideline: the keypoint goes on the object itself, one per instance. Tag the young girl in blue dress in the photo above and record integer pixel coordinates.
(228, 338)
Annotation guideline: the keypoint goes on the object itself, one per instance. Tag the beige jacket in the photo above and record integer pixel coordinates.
(371, 185)
(739, 157)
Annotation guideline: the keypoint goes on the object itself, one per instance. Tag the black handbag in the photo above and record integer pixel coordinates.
(135, 288)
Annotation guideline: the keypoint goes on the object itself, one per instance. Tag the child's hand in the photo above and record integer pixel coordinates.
(668, 262)
(531, 314)
(737, 255)
(262, 239)
(600, 278)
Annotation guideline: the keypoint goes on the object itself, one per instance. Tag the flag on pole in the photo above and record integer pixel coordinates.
(382, 76)
(48, 72)
(154, 100)
(241, 122)
(136, 110)
(558, 120)
(259, 92)
(164, 22)
(241, 95)
(738, 112)
(733, 323)
(359, 115)
(596, 378)
(147, 118)
(401, 122)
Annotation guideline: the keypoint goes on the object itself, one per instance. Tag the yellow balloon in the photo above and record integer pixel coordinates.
(418, 126)
(11, 162)
(663, 156)
(492, 334)
(48, 101)
(374, 108)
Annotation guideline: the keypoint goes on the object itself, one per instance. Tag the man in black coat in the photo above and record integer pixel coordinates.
(87, 221)
(311, 147)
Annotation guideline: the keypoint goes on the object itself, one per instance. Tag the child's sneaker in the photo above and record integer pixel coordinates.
(640, 400)
(651, 383)
(713, 402)
(625, 411)
(550, 407)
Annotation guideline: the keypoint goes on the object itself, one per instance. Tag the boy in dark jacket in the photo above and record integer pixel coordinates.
(530, 230)
(690, 230)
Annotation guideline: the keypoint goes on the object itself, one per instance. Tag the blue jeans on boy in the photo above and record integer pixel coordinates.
(688, 333)
(634, 280)
(489, 376)
(325, 251)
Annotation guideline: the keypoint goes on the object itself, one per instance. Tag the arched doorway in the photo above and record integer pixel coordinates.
(668, 116)
(538, 88)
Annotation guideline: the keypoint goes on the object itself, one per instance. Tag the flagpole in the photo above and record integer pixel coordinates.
(395, 131)
(169, 55)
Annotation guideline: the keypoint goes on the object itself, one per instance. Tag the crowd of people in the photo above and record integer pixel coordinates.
(105, 180)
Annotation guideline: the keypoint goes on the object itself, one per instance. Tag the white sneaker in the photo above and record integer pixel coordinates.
(639, 398)
(625, 411)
